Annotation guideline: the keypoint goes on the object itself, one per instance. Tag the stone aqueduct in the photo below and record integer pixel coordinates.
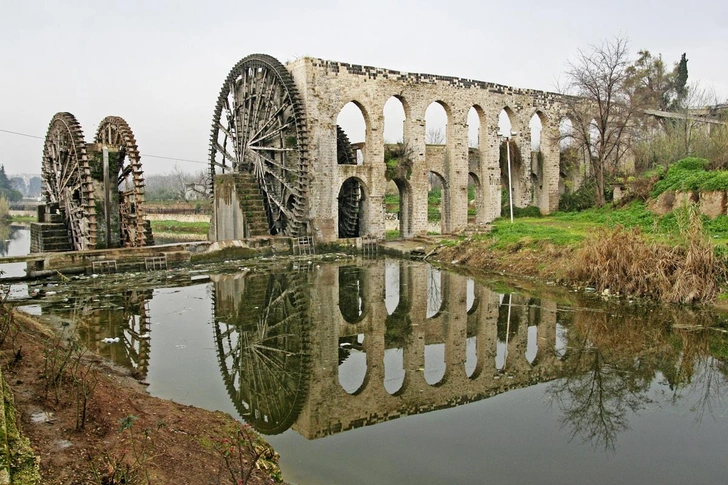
(325, 87)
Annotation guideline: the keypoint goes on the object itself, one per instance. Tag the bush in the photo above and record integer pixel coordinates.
(691, 174)
(625, 262)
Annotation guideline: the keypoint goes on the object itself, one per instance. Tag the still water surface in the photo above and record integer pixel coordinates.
(395, 372)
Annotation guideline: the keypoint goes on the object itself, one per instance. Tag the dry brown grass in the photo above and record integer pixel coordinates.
(625, 262)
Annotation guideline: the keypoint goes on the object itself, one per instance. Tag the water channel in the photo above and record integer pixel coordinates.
(383, 371)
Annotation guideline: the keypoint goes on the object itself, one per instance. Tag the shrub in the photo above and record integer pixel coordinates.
(625, 262)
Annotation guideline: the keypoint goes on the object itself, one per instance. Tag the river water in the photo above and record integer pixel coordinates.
(394, 372)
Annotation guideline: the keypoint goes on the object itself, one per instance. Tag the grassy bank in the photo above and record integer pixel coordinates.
(679, 257)
(178, 227)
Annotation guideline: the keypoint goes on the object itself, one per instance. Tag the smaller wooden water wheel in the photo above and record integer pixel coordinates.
(114, 132)
(67, 184)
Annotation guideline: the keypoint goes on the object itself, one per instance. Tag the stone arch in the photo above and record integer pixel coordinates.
(438, 202)
(355, 131)
(476, 127)
(513, 161)
(402, 207)
(353, 293)
(571, 158)
(395, 112)
(437, 123)
(352, 214)
(539, 147)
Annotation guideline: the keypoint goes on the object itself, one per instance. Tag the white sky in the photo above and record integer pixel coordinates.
(160, 64)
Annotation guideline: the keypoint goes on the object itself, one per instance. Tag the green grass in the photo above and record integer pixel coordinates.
(23, 219)
(567, 228)
(180, 227)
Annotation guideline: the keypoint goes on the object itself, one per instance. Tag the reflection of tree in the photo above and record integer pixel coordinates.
(261, 333)
(597, 395)
(434, 291)
(7, 234)
(613, 358)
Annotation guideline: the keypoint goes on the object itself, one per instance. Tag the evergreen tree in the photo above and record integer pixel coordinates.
(680, 84)
(7, 191)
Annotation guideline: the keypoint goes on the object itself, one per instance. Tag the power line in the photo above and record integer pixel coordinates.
(143, 154)
(21, 134)
(172, 158)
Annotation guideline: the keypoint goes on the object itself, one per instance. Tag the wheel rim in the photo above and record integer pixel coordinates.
(263, 351)
(67, 179)
(259, 127)
(115, 132)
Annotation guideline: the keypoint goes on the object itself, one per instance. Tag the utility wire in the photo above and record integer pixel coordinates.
(143, 154)
(21, 134)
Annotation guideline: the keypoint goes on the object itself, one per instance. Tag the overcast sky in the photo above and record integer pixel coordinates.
(160, 64)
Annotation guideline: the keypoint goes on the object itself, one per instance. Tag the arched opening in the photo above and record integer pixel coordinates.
(536, 157)
(398, 209)
(394, 118)
(475, 198)
(571, 160)
(437, 198)
(352, 208)
(475, 122)
(436, 121)
(351, 134)
(352, 363)
(512, 165)
(352, 293)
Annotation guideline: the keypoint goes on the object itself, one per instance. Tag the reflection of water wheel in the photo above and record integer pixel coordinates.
(114, 132)
(67, 180)
(263, 351)
(259, 126)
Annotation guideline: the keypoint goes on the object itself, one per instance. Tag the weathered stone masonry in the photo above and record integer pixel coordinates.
(327, 86)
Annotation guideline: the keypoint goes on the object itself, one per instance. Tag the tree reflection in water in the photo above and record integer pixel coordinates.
(613, 357)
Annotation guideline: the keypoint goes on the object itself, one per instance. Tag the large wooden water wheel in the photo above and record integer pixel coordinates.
(114, 132)
(67, 183)
(259, 127)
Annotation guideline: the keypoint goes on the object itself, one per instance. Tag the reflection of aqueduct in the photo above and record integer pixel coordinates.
(427, 340)
(458, 324)
(278, 125)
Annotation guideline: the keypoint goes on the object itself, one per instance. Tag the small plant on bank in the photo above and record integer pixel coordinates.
(241, 452)
(130, 466)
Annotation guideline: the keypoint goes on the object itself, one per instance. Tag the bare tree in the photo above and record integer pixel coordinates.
(435, 136)
(600, 106)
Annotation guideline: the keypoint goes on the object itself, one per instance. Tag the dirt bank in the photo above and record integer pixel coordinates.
(128, 436)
